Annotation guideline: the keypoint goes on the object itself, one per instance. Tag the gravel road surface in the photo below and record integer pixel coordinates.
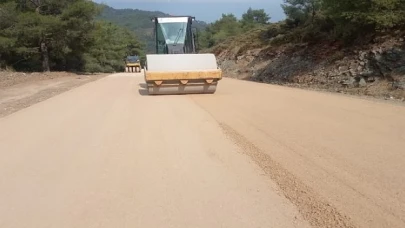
(106, 154)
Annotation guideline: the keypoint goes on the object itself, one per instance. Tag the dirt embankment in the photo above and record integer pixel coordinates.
(376, 70)
(20, 90)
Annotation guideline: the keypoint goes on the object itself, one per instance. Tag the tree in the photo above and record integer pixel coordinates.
(301, 11)
(8, 19)
(112, 44)
(252, 17)
(377, 13)
(50, 31)
(44, 35)
(227, 26)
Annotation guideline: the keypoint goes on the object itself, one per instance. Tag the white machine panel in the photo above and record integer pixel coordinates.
(181, 62)
(173, 19)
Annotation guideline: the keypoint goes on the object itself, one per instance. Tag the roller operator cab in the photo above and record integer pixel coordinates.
(176, 67)
(174, 35)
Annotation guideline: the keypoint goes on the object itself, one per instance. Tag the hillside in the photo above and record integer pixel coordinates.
(316, 52)
(138, 21)
(375, 70)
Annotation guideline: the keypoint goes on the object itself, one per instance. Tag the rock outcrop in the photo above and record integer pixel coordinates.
(376, 70)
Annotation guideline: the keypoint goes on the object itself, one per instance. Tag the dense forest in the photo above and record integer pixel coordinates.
(62, 35)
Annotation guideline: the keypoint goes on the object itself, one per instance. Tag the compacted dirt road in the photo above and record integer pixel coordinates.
(20, 90)
(252, 155)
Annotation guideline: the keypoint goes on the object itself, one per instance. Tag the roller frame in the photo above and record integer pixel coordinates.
(133, 68)
(175, 87)
(182, 82)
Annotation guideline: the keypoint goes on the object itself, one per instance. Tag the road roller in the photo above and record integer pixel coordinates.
(176, 67)
(133, 64)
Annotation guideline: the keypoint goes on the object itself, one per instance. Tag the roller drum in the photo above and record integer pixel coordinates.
(182, 74)
(177, 89)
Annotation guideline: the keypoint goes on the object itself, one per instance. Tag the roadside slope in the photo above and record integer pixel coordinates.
(375, 69)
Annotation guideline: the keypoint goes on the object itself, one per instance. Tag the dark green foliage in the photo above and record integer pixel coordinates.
(344, 20)
(111, 45)
(358, 19)
(379, 13)
(227, 26)
(43, 35)
(79, 35)
(299, 12)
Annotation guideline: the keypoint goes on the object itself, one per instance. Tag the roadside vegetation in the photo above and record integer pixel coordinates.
(82, 36)
(61, 35)
(352, 47)
(346, 21)
(229, 26)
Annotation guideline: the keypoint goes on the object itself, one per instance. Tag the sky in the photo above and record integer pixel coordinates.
(203, 10)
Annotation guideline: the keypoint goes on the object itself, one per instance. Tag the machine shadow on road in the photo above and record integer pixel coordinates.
(143, 91)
